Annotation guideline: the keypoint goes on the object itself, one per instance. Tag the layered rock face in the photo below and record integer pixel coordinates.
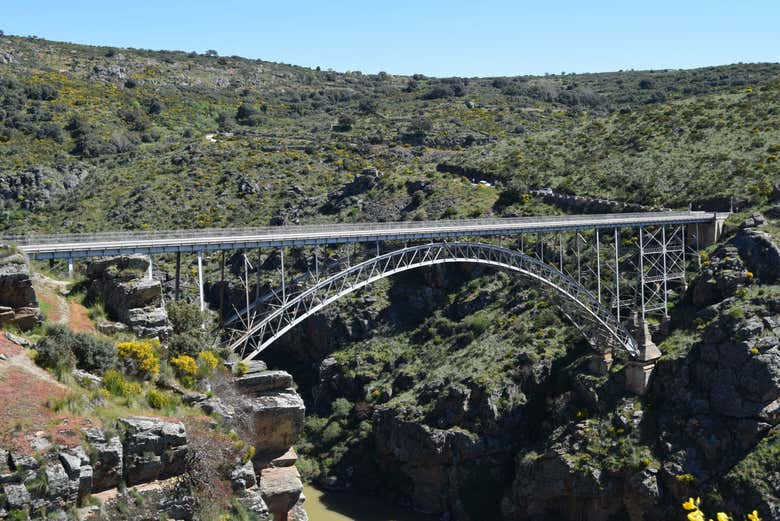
(264, 408)
(275, 415)
(152, 449)
(128, 296)
(18, 302)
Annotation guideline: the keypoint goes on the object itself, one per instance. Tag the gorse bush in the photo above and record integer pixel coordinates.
(693, 507)
(140, 357)
(185, 365)
(208, 360)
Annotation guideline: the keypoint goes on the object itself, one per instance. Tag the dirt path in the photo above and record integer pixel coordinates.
(52, 294)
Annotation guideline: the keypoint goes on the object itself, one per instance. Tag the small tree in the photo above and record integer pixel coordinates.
(155, 106)
(345, 122)
(211, 53)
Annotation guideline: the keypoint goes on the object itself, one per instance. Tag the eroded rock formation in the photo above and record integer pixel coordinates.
(128, 296)
(18, 302)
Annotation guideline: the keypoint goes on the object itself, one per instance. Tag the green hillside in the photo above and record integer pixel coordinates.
(124, 135)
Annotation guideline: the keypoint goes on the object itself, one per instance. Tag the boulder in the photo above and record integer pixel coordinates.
(242, 477)
(135, 263)
(109, 328)
(281, 488)
(85, 379)
(16, 495)
(16, 289)
(219, 409)
(760, 253)
(253, 501)
(276, 421)
(263, 381)
(129, 296)
(154, 449)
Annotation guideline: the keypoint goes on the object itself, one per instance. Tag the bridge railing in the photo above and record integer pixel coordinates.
(333, 228)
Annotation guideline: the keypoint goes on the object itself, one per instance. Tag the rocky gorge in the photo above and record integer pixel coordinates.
(561, 438)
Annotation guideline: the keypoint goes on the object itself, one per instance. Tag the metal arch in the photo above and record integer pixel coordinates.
(594, 320)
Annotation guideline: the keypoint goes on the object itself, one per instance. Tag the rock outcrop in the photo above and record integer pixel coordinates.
(128, 296)
(18, 302)
(269, 413)
(152, 449)
(274, 411)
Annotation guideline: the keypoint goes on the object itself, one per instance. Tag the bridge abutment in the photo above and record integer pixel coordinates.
(710, 232)
(639, 370)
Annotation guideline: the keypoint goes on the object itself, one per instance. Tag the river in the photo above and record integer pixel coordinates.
(343, 506)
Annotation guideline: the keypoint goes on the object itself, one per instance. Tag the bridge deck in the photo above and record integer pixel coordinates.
(115, 243)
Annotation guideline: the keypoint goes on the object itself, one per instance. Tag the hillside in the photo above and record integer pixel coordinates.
(455, 391)
(122, 134)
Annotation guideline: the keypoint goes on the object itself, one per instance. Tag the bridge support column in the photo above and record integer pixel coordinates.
(200, 282)
(640, 369)
(150, 269)
(70, 267)
(178, 277)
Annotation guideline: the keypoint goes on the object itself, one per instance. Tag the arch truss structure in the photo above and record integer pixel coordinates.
(608, 279)
(595, 320)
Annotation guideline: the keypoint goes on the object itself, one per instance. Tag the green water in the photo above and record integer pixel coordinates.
(342, 506)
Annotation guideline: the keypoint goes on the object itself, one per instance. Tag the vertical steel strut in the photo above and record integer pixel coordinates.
(598, 266)
(617, 274)
(200, 281)
(642, 271)
(178, 276)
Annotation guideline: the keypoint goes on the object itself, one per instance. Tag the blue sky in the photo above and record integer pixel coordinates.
(436, 38)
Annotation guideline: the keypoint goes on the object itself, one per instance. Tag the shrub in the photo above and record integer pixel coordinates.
(331, 433)
(246, 114)
(341, 408)
(185, 365)
(184, 317)
(208, 360)
(116, 383)
(52, 353)
(62, 347)
(185, 344)
(155, 106)
(241, 368)
(140, 356)
(159, 400)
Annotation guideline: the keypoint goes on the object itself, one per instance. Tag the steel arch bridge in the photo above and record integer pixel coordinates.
(594, 320)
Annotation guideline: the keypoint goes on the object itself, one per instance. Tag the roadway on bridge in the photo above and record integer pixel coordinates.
(116, 243)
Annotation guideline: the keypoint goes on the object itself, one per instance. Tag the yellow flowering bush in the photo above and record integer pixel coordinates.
(185, 364)
(208, 360)
(695, 513)
(141, 355)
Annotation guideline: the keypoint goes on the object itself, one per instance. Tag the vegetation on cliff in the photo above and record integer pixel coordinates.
(450, 390)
